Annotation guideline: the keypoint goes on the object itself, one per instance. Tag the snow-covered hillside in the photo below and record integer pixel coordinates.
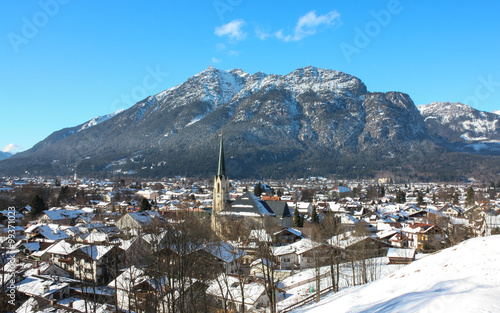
(98, 120)
(464, 278)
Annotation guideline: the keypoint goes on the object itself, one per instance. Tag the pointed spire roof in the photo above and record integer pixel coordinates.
(221, 170)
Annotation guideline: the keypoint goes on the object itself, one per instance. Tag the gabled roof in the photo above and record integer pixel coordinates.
(61, 214)
(280, 208)
(50, 232)
(449, 206)
(223, 250)
(39, 287)
(96, 252)
(298, 247)
(63, 248)
(248, 205)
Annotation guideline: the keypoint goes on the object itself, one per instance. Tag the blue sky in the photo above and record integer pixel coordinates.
(64, 62)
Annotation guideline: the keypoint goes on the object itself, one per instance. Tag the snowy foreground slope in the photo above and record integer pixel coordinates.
(464, 278)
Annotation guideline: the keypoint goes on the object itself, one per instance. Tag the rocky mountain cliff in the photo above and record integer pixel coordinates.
(463, 128)
(309, 122)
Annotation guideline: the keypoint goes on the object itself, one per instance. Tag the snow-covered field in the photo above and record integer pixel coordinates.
(464, 278)
(303, 285)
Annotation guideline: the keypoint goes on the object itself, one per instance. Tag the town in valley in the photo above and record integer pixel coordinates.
(182, 244)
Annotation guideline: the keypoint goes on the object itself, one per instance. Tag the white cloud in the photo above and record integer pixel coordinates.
(12, 148)
(233, 53)
(215, 60)
(262, 34)
(232, 30)
(308, 24)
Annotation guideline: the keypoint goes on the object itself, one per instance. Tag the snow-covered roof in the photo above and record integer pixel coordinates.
(230, 285)
(130, 278)
(39, 287)
(346, 240)
(248, 205)
(298, 247)
(401, 253)
(51, 232)
(87, 305)
(96, 252)
(63, 248)
(61, 214)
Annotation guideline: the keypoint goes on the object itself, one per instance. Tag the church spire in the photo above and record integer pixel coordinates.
(221, 171)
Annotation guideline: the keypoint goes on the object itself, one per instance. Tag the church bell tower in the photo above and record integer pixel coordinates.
(221, 189)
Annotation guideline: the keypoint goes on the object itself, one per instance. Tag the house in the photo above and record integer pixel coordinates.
(60, 254)
(11, 215)
(61, 216)
(51, 289)
(138, 221)
(307, 252)
(305, 208)
(222, 253)
(95, 262)
(450, 210)
(422, 236)
(351, 242)
(48, 233)
(137, 292)
(136, 250)
(287, 236)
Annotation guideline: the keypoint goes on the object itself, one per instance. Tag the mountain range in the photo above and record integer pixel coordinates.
(311, 121)
(4, 155)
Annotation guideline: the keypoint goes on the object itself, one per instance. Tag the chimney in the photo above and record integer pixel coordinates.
(36, 264)
(70, 304)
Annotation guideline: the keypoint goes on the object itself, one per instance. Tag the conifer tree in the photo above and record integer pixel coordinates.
(296, 218)
(420, 199)
(314, 216)
(145, 205)
(37, 205)
(469, 200)
(257, 190)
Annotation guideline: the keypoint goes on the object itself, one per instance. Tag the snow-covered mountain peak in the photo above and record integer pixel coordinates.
(461, 123)
(446, 108)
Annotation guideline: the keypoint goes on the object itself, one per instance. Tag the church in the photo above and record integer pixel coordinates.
(248, 206)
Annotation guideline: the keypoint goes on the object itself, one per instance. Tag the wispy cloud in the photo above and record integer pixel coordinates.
(232, 30)
(308, 25)
(262, 34)
(215, 60)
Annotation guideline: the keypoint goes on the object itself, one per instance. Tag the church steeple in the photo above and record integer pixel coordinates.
(221, 189)
(221, 170)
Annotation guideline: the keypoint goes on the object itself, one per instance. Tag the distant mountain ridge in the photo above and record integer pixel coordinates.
(462, 127)
(5, 155)
(309, 122)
